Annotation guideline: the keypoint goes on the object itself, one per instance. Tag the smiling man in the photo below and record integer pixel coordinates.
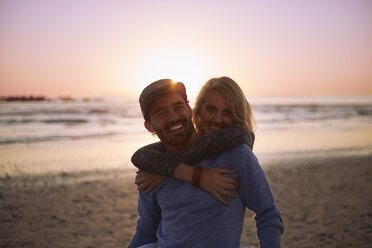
(168, 117)
(178, 214)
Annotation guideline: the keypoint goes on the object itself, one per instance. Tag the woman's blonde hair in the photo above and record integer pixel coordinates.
(240, 108)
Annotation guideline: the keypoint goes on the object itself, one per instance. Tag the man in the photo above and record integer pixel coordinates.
(178, 214)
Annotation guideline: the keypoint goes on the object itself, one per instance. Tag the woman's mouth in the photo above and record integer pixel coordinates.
(215, 127)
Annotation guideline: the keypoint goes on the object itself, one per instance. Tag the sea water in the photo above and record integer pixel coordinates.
(103, 132)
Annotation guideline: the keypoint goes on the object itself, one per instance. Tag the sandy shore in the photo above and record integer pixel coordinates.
(326, 202)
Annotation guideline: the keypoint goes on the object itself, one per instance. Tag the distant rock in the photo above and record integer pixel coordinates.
(23, 98)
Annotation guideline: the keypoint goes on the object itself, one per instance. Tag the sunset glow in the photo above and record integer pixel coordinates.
(176, 64)
(93, 48)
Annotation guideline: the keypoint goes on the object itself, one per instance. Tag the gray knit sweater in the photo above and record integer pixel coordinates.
(152, 158)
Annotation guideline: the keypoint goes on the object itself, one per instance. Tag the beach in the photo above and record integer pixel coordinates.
(66, 179)
(325, 202)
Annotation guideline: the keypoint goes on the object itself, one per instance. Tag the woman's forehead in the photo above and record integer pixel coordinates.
(215, 98)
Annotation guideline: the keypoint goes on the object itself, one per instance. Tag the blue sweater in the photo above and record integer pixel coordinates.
(177, 214)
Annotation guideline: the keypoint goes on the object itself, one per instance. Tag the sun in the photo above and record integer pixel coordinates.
(178, 65)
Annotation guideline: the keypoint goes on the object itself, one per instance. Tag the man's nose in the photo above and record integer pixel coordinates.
(173, 116)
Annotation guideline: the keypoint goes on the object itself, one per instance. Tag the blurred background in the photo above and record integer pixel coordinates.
(71, 73)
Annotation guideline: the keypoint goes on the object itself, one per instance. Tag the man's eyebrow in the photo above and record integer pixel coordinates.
(178, 103)
(157, 110)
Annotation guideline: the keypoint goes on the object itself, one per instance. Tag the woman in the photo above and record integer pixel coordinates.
(223, 115)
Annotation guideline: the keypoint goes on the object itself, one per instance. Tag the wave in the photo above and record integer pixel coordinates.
(318, 112)
(42, 112)
(55, 138)
(65, 121)
(48, 121)
(47, 112)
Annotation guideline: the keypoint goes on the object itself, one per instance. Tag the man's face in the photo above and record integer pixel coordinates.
(170, 119)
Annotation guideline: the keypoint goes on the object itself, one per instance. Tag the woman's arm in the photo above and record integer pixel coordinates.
(152, 158)
(212, 180)
(215, 143)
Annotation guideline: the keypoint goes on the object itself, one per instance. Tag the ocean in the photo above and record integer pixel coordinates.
(56, 120)
(284, 124)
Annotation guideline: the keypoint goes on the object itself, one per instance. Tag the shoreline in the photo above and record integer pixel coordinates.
(104, 156)
(325, 202)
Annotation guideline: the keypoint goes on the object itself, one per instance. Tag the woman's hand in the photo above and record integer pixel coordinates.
(214, 182)
(147, 181)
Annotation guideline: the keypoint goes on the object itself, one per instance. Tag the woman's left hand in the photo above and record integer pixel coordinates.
(147, 181)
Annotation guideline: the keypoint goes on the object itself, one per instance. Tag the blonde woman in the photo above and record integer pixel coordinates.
(225, 119)
(227, 94)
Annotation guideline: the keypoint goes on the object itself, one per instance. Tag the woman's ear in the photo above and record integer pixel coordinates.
(149, 127)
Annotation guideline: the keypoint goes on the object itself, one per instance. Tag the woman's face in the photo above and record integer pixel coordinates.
(215, 113)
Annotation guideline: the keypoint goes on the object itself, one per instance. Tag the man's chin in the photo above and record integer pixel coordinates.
(179, 141)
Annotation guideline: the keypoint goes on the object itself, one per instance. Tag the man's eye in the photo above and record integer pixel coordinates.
(161, 114)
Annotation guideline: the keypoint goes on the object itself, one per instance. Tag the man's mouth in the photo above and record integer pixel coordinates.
(176, 127)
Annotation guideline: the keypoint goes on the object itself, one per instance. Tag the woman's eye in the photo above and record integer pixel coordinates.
(211, 109)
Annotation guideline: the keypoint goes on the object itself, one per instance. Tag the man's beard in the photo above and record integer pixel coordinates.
(179, 139)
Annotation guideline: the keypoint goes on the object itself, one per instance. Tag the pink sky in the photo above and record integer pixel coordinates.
(75, 47)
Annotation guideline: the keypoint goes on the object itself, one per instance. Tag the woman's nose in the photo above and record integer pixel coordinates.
(218, 118)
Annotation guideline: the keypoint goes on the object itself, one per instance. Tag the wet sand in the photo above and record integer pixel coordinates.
(325, 202)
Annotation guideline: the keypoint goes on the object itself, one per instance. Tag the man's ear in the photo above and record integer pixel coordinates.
(188, 106)
(149, 127)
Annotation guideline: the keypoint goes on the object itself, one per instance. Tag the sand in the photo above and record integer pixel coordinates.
(325, 202)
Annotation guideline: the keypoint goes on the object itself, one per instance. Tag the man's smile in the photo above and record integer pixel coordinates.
(176, 128)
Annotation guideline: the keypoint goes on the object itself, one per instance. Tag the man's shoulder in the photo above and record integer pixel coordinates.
(239, 158)
(239, 154)
(242, 150)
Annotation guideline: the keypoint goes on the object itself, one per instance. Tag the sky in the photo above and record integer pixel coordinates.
(269, 47)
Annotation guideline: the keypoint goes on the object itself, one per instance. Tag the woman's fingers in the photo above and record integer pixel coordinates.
(220, 196)
(228, 194)
(225, 171)
(147, 190)
(139, 181)
(220, 199)
(230, 186)
(226, 178)
(142, 186)
(230, 180)
(219, 185)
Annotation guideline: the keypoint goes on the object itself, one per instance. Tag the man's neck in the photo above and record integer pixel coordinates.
(174, 149)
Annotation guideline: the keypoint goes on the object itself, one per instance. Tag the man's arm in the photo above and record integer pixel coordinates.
(147, 222)
(256, 194)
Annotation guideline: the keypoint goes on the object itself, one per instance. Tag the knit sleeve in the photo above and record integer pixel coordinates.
(152, 158)
(215, 143)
